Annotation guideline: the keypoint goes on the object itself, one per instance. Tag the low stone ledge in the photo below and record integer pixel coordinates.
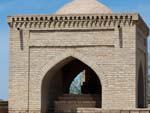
(98, 110)
(88, 110)
(24, 111)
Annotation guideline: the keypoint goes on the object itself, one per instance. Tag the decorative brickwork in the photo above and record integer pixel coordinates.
(76, 21)
(114, 46)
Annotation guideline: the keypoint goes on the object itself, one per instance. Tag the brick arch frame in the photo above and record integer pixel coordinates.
(83, 58)
(98, 69)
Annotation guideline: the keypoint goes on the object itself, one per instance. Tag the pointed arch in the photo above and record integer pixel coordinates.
(55, 64)
(67, 56)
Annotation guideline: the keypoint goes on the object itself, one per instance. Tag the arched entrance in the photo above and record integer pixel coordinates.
(57, 82)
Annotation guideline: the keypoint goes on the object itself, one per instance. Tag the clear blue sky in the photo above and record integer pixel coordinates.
(13, 7)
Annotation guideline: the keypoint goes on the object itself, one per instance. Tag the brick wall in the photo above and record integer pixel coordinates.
(107, 46)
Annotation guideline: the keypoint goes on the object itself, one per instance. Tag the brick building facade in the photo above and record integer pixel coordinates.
(48, 51)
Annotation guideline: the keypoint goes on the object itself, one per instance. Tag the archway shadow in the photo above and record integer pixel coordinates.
(57, 82)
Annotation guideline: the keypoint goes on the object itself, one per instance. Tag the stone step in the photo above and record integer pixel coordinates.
(75, 98)
(78, 95)
(75, 102)
(70, 102)
(83, 97)
(70, 106)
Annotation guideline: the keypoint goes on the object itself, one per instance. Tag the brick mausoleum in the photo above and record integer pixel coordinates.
(48, 51)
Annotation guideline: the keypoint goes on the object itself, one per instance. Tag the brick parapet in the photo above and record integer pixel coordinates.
(59, 22)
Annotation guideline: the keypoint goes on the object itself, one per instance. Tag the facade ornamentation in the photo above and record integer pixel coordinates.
(62, 22)
(48, 51)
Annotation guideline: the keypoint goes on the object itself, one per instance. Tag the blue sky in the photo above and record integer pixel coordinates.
(14, 7)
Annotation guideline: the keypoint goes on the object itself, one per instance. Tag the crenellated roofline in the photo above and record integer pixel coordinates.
(82, 21)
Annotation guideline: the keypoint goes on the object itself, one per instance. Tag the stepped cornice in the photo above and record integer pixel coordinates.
(62, 22)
